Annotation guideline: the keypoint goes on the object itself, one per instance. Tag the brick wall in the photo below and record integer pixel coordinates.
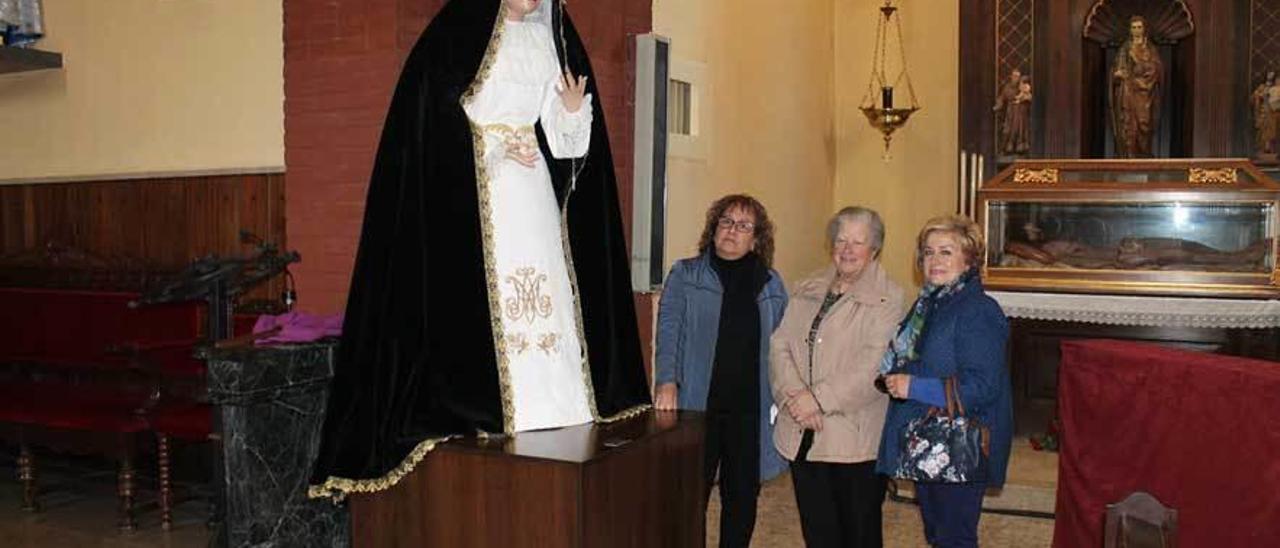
(342, 59)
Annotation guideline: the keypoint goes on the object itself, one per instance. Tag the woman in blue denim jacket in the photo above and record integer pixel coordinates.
(717, 312)
(954, 329)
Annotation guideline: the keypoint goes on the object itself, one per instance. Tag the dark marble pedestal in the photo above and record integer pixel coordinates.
(272, 402)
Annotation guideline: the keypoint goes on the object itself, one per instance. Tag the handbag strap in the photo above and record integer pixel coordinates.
(955, 408)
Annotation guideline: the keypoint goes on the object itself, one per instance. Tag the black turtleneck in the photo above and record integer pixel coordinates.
(735, 375)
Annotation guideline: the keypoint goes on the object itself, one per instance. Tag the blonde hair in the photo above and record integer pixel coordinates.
(966, 232)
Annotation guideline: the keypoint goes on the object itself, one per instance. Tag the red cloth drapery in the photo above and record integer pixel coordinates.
(1200, 432)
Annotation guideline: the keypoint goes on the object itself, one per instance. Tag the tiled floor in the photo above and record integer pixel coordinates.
(86, 515)
(79, 509)
(1032, 477)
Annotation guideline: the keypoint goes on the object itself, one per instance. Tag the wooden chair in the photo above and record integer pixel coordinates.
(192, 423)
(1140, 521)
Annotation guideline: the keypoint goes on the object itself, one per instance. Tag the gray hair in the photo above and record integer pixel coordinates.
(857, 214)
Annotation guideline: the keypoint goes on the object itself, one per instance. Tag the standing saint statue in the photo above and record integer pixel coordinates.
(1013, 106)
(1135, 92)
(1266, 116)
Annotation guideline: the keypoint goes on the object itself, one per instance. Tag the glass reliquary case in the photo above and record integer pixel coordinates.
(1163, 226)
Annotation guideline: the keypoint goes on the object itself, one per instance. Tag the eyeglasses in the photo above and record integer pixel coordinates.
(743, 227)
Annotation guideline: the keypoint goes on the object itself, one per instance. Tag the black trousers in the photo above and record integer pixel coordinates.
(733, 448)
(839, 503)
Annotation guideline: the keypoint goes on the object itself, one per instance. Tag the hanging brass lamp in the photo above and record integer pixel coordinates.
(886, 116)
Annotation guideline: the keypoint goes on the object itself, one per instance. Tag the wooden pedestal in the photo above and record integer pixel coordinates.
(634, 483)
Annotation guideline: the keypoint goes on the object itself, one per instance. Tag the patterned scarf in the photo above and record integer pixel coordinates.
(903, 347)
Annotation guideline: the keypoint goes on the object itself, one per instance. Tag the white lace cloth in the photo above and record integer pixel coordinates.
(1141, 311)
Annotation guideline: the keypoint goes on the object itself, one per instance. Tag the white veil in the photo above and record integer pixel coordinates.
(542, 16)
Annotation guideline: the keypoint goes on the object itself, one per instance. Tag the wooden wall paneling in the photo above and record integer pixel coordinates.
(1220, 66)
(197, 200)
(113, 206)
(12, 219)
(1183, 130)
(29, 218)
(166, 206)
(1239, 105)
(228, 215)
(1062, 93)
(1041, 59)
(977, 89)
(261, 211)
(269, 200)
(1093, 105)
(165, 222)
(52, 220)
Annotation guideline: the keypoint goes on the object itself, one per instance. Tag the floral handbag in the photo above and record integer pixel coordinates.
(944, 446)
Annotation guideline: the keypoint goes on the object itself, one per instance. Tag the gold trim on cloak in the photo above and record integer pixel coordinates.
(486, 228)
(577, 316)
(337, 488)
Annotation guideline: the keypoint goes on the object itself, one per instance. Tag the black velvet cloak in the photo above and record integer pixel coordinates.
(418, 360)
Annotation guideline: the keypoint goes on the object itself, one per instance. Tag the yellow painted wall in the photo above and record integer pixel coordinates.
(148, 87)
(766, 119)
(780, 120)
(920, 179)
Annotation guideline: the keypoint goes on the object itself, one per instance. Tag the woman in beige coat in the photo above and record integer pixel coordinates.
(823, 363)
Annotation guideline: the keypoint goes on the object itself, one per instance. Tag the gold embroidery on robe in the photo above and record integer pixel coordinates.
(547, 343)
(517, 343)
(529, 303)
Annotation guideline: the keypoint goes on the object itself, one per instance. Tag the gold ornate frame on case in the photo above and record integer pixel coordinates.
(1029, 175)
(1212, 176)
(1191, 185)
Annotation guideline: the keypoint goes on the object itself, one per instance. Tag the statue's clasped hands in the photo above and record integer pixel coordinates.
(521, 151)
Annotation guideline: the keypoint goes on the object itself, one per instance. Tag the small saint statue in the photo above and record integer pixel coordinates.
(1266, 116)
(1013, 107)
(1135, 92)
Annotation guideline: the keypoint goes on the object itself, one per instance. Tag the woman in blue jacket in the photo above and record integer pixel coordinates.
(954, 329)
(717, 312)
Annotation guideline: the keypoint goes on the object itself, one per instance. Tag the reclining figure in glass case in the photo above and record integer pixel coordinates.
(1136, 253)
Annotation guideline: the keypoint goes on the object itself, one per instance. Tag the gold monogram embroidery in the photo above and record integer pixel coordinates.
(529, 303)
(547, 343)
(517, 343)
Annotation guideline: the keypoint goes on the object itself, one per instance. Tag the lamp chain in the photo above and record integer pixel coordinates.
(877, 66)
(902, 54)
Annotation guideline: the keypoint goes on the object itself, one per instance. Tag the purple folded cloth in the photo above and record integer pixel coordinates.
(297, 327)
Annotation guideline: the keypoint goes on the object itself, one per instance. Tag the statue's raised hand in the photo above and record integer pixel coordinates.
(572, 89)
